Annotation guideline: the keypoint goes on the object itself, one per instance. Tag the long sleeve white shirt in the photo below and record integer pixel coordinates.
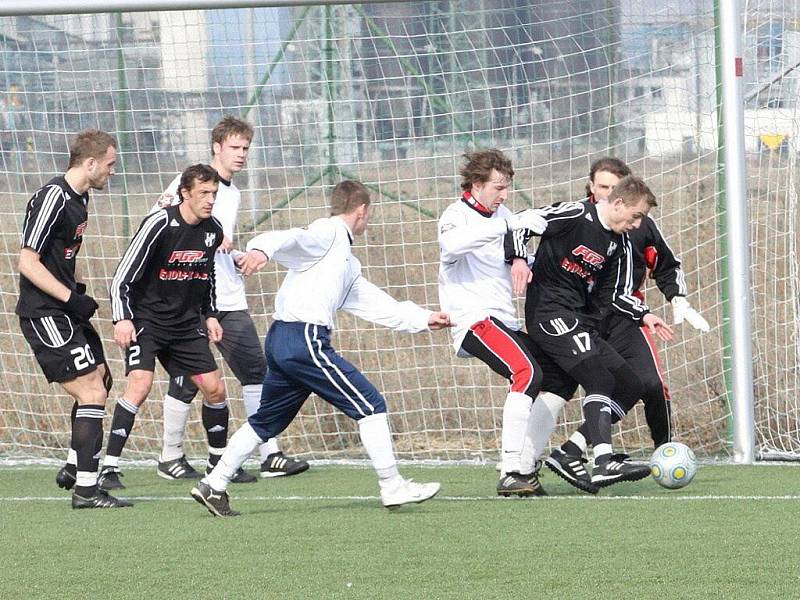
(324, 277)
(474, 279)
(230, 283)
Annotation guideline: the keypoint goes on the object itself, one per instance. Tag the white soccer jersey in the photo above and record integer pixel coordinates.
(474, 279)
(229, 282)
(324, 276)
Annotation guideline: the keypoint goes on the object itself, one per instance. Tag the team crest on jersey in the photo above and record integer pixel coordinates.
(611, 248)
(210, 238)
(166, 200)
(447, 227)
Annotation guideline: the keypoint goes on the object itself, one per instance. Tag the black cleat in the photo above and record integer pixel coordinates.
(101, 499)
(66, 476)
(278, 465)
(571, 469)
(242, 476)
(514, 484)
(533, 479)
(178, 468)
(108, 479)
(615, 471)
(216, 502)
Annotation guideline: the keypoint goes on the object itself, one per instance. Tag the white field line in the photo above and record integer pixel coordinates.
(587, 498)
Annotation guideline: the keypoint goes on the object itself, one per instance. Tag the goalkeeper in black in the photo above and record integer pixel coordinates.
(54, 308)
(163, 303)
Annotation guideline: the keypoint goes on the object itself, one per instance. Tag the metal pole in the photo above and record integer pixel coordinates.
(13, 8)
(738, 234)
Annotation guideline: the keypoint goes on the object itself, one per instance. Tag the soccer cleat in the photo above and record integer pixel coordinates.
(615, 471)
(571, 470)
(408, 492)
(242, 476)
(108, 479)
(178, 468)
(514, 484)
(533, 479)
(65, 478)
(101, 499)
(278, 465)
(215, 501)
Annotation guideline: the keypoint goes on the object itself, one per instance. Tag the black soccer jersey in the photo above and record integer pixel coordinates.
(166, 275)
(651, 251)
(575, 252)
(55, 220)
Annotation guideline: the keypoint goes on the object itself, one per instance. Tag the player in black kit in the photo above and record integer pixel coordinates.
(164, 306)
(54, 309)
(586, 246)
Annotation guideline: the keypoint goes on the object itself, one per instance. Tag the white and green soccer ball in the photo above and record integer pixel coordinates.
(673, 465)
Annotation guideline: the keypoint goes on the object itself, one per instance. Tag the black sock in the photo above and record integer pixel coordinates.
(597, 417)
(121, 426)
(72, 467)
(215, 421)
(87, 433)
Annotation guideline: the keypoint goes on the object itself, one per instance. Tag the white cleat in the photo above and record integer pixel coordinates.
(408, 492)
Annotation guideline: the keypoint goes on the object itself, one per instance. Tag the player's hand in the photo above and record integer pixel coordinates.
(124, 333)
(439, 320)
(521, 276)
(528, 219)
(682, 310)
(226, 245)
(658, 326)
(252, 261)
(81, 305)
(214, 330)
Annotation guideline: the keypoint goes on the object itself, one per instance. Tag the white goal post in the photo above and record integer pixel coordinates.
(393, 93)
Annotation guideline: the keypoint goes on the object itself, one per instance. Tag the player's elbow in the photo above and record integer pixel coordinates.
(27, 260)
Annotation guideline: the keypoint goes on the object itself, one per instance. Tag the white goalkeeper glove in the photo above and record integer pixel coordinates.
(682, 310)
(527, 219)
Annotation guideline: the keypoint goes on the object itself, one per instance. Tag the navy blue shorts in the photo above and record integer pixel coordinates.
(300, 360)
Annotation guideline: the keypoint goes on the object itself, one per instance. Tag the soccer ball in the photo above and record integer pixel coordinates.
(673, 465)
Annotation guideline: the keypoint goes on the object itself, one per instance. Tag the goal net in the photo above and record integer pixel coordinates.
(393, 94)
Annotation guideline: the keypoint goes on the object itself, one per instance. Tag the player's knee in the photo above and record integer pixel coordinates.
(138, 386)
(215, 392)
(594, 376)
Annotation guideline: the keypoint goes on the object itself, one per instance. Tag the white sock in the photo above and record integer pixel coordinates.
(541, 424)
(251, 394)
(72, 457)
(176, 416)
(516, 411)
(579, 440)
(240, 447)
(377, 440)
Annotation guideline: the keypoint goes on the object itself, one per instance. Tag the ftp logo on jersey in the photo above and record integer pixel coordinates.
(187, 256)
(589, 256)
(80, 229)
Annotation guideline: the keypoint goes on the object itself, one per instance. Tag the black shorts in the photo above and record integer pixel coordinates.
(180, 353)
(64, 347)
(240, 347)
(569, 341)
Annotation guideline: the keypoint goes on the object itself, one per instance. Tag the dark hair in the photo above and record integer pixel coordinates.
(198, 172)
(227, 127)
(480, 165)
(632, 189)
(91, 143)
(347, 196)
(609, 164)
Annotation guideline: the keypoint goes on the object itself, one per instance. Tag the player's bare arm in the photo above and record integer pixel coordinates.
(124, 333)
(30, 266)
